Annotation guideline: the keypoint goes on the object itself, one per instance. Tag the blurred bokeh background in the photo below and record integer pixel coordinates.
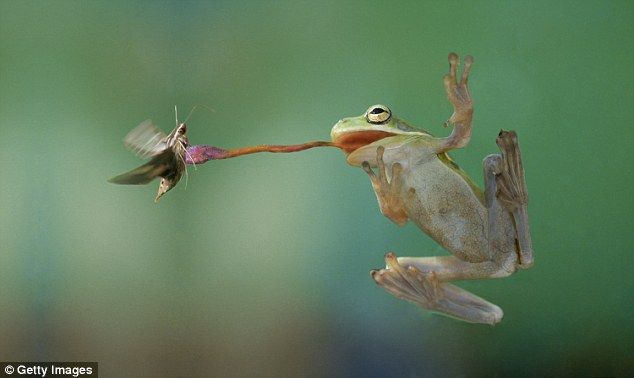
(260, 265)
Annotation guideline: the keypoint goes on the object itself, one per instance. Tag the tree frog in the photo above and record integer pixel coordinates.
(487, 232)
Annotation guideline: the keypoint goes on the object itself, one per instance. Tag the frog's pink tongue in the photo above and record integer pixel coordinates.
(348, 143)
(201, 153)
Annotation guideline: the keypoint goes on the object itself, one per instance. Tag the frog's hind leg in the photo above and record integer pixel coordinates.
(427, 291)
(504, 179)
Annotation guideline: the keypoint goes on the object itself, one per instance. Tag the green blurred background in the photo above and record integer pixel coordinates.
(260, 266)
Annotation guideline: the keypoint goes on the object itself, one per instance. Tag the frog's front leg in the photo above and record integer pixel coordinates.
(460, 97)
(388, 193)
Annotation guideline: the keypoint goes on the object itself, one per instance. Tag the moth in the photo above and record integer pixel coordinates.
(167, 153)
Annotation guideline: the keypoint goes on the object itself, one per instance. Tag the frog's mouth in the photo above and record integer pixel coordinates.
(351, 141)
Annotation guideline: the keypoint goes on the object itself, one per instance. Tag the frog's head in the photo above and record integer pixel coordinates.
(377, 123)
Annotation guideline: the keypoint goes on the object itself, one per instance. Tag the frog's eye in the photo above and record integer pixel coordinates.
(378, 114)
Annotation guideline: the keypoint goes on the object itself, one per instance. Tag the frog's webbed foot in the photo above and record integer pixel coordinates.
(510, 176)
(387, 193)
(459, 96)
(425, 290)
(512, 192)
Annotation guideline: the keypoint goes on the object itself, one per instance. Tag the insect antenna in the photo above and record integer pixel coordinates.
(194, 108)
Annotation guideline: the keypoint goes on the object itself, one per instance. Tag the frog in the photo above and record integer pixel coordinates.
(485, 231)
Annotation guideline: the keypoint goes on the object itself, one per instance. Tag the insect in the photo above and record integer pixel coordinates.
(167, 153)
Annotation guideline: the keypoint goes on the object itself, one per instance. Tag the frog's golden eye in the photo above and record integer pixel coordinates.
(378, 114)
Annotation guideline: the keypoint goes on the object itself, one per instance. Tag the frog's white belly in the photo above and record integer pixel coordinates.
(446, 208)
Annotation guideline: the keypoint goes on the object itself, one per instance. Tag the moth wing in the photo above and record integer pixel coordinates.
(159, 166)
(146, 140)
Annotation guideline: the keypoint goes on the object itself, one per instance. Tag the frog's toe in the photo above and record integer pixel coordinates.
(468, 61)
(366, 167)
(380, 151)
(453, 64)
(450, 78)
(397, 169)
